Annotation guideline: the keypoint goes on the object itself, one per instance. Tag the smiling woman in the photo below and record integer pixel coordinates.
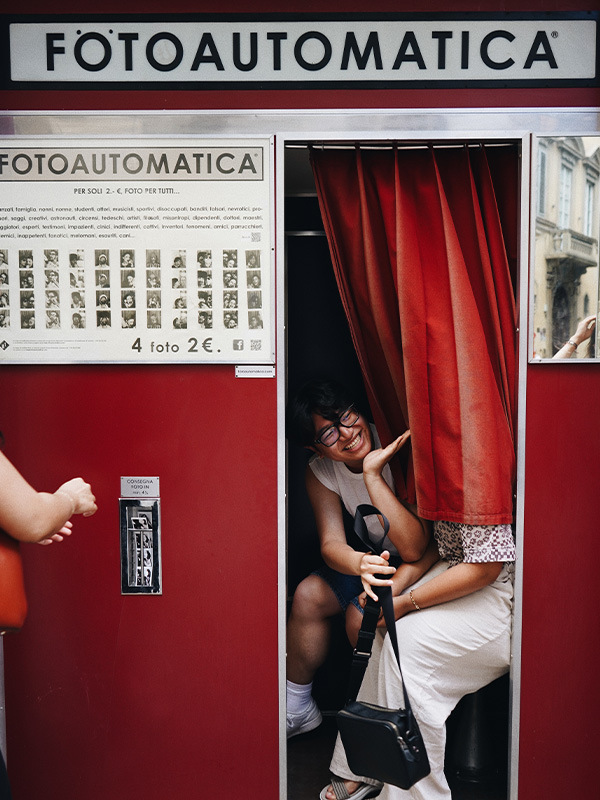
(348, 468)
(347, 438)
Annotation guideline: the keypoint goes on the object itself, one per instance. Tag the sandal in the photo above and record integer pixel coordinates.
(339, 789)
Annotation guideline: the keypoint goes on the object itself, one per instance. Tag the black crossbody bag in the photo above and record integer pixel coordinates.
(380, 743)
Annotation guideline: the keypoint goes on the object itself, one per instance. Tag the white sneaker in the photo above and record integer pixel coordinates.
(304, 721)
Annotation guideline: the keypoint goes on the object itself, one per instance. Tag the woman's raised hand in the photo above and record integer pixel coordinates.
(584, 329)
(376, 460)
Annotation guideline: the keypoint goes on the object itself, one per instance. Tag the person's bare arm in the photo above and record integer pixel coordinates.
(336, 552)
(458, 581)
(410, 572)
(408, 532)
(583, 332)
(32, 516)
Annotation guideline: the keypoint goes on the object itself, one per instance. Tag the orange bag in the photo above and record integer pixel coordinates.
(13, 601)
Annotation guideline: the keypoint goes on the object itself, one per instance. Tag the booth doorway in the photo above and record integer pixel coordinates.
(319, 343)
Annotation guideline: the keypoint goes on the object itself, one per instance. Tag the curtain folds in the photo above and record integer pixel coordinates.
(426, 276)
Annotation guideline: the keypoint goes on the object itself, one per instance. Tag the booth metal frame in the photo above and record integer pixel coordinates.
(520, 125)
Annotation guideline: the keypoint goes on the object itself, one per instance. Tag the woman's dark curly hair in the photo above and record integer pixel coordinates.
(321, 396)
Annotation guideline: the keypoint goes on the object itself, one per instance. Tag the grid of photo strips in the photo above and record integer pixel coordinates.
(150, 296)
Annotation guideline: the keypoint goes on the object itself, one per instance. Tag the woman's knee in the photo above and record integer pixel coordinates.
(314, 597)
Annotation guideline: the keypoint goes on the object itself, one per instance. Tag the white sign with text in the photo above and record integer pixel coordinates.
(136, 251)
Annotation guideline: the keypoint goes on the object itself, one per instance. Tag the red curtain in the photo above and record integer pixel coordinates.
(427, 281)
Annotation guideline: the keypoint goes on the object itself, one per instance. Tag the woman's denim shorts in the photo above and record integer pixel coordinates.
(345, 587)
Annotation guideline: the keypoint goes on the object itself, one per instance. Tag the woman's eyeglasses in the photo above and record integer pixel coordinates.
(330, 435)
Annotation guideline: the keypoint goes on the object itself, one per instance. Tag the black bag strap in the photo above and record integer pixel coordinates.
(364, 645)
(366, 635)
(360, 527)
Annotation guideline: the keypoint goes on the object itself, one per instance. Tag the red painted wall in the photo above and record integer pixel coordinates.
(112, 696)
(561, 642)
(136, 696)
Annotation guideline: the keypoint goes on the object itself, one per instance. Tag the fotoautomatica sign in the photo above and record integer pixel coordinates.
(136, 251)
(296, 51)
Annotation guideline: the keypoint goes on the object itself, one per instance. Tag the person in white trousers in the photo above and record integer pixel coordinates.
(454, 630)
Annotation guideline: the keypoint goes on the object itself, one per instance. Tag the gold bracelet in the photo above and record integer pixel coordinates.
(414, 602)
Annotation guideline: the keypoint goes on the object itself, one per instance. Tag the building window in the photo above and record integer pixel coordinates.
(541, 195)
(564, 201)
(588, 226)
